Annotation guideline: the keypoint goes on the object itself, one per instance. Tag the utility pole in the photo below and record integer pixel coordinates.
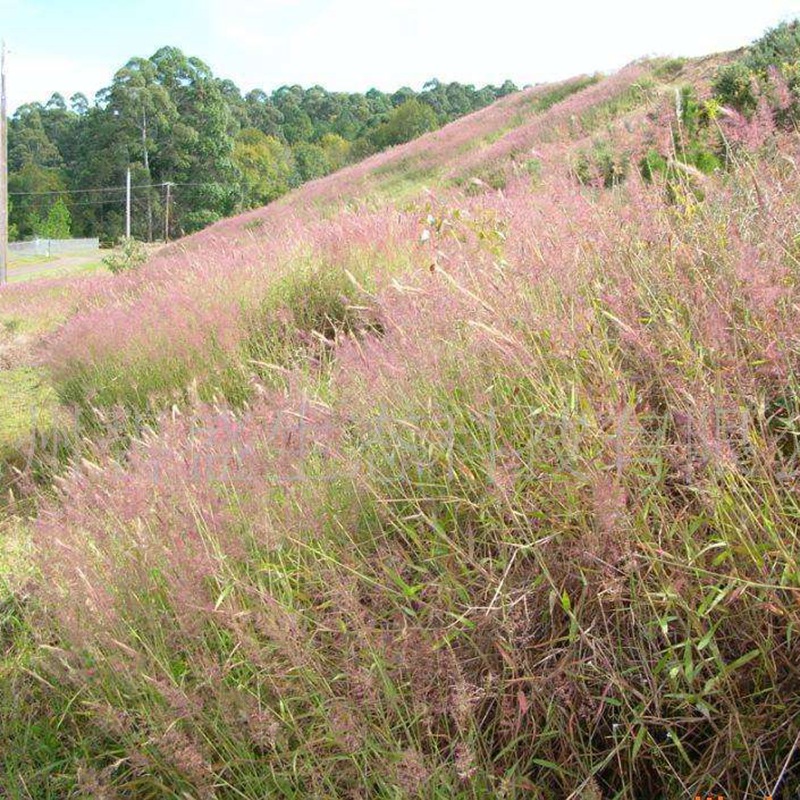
(128, 204)
(166, 212)
(3, 170)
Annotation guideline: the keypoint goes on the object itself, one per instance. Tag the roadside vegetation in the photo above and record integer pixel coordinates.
(468, 471)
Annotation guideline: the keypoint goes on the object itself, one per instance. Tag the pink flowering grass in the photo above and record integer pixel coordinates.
(186, 318)
(516, 518)
(263, 302)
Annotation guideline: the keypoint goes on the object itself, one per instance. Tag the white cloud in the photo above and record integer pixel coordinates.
(36, 76)
(355, 44)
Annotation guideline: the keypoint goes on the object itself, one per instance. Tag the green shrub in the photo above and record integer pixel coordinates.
(58, 223)
(778, 46)
(680, 183)
(323, 302)
(693, 146)
(533, 167)
(739, 85)
(197, 220)
(311, 160)
(601, 165)
(652, 164)
(406, 122)
(669, 69)
(692, 112)
(733, 87)
(131, 254)
(487, 178)
(304, 314)
(703, 159)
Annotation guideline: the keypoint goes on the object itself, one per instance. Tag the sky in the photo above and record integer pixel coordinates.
(70, 46)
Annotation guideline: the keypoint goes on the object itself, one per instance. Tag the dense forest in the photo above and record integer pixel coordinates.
(172, 121)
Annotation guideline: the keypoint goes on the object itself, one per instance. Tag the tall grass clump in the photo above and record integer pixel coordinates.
(209, 335)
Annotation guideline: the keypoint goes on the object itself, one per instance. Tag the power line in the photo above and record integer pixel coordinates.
(205, 183)
(111, 188)
(73, 191)
(87, 191)
(109, 201)
(118, 196)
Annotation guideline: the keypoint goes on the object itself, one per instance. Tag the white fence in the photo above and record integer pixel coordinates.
(51, 247)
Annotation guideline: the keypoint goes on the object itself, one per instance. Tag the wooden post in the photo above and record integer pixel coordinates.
(128, 204)
(3, 169)
(166, 212)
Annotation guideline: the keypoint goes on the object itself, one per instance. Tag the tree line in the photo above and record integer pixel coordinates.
(170, 120)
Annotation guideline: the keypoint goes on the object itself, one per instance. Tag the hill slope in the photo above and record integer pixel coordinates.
(468, 471)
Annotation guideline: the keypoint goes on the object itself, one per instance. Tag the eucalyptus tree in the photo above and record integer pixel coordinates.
(147, 116)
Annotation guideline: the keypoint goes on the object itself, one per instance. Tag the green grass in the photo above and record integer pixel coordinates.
(630, 98)
(32, 744)
(33, 434)
(407, 184)
(541, 102)
(24, 261)
(27, 403)
(26, 268)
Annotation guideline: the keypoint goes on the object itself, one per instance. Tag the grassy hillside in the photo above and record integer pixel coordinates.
(469, 471)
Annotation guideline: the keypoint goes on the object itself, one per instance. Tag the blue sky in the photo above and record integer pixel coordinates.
(352, 45)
